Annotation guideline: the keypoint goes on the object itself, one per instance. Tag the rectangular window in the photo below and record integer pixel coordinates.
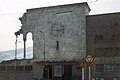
(99, 52)
(28, 68)
(117, 51)
(93, 78)
(99, 67)
(10, 68)
(58, 71)
(118, 67)
(2, 68)
(64, 13)
(109, 52)
(98, 78)
(115, 79)
(68, 71)
(109, 67)
(19, 68)
(111, 78)
(101, 78)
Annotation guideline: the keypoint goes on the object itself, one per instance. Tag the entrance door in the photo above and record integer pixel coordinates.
(67, 72)
(47, 72)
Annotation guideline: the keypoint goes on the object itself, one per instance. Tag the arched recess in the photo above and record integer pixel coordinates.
(29, 46)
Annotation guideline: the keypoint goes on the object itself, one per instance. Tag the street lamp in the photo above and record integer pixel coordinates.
(43, 51)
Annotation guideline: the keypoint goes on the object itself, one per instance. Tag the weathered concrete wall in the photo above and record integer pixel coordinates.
(103, 40)
(105, 25)
(37, 71)
(63, 26)
(15, 70)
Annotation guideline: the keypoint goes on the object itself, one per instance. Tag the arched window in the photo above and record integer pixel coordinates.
(29, 46)
(115, 37)
(99, 38)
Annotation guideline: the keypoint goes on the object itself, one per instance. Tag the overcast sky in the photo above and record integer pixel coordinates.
(11, 10)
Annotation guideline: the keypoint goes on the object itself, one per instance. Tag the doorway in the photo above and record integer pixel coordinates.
(67, 72)
(47, 72)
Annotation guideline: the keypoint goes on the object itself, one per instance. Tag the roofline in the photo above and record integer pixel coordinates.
(103, 14)
(59, 6)
(13, 60)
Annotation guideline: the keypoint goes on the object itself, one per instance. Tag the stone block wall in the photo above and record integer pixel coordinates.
(59, 31)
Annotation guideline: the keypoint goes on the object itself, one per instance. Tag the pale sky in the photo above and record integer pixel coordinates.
(11, 10)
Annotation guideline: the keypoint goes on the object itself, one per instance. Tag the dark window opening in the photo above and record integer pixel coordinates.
(115, 37)
(47, 72)
(28, 68)
(99, 38)
(99, 52)
(109, 67)
(109, 52)
(10, 68)
(67, 72)
(19, 68)
(99, 67)
(57, 47)
(2, 68)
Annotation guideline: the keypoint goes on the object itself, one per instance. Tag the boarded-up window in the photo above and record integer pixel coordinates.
(28, 68)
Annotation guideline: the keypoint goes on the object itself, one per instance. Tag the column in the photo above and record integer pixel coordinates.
(16, 48)
(24, 39)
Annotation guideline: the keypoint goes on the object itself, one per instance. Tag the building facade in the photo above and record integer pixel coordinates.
(62, 36)
(16, 70)
(59, 40)
(103, 41)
